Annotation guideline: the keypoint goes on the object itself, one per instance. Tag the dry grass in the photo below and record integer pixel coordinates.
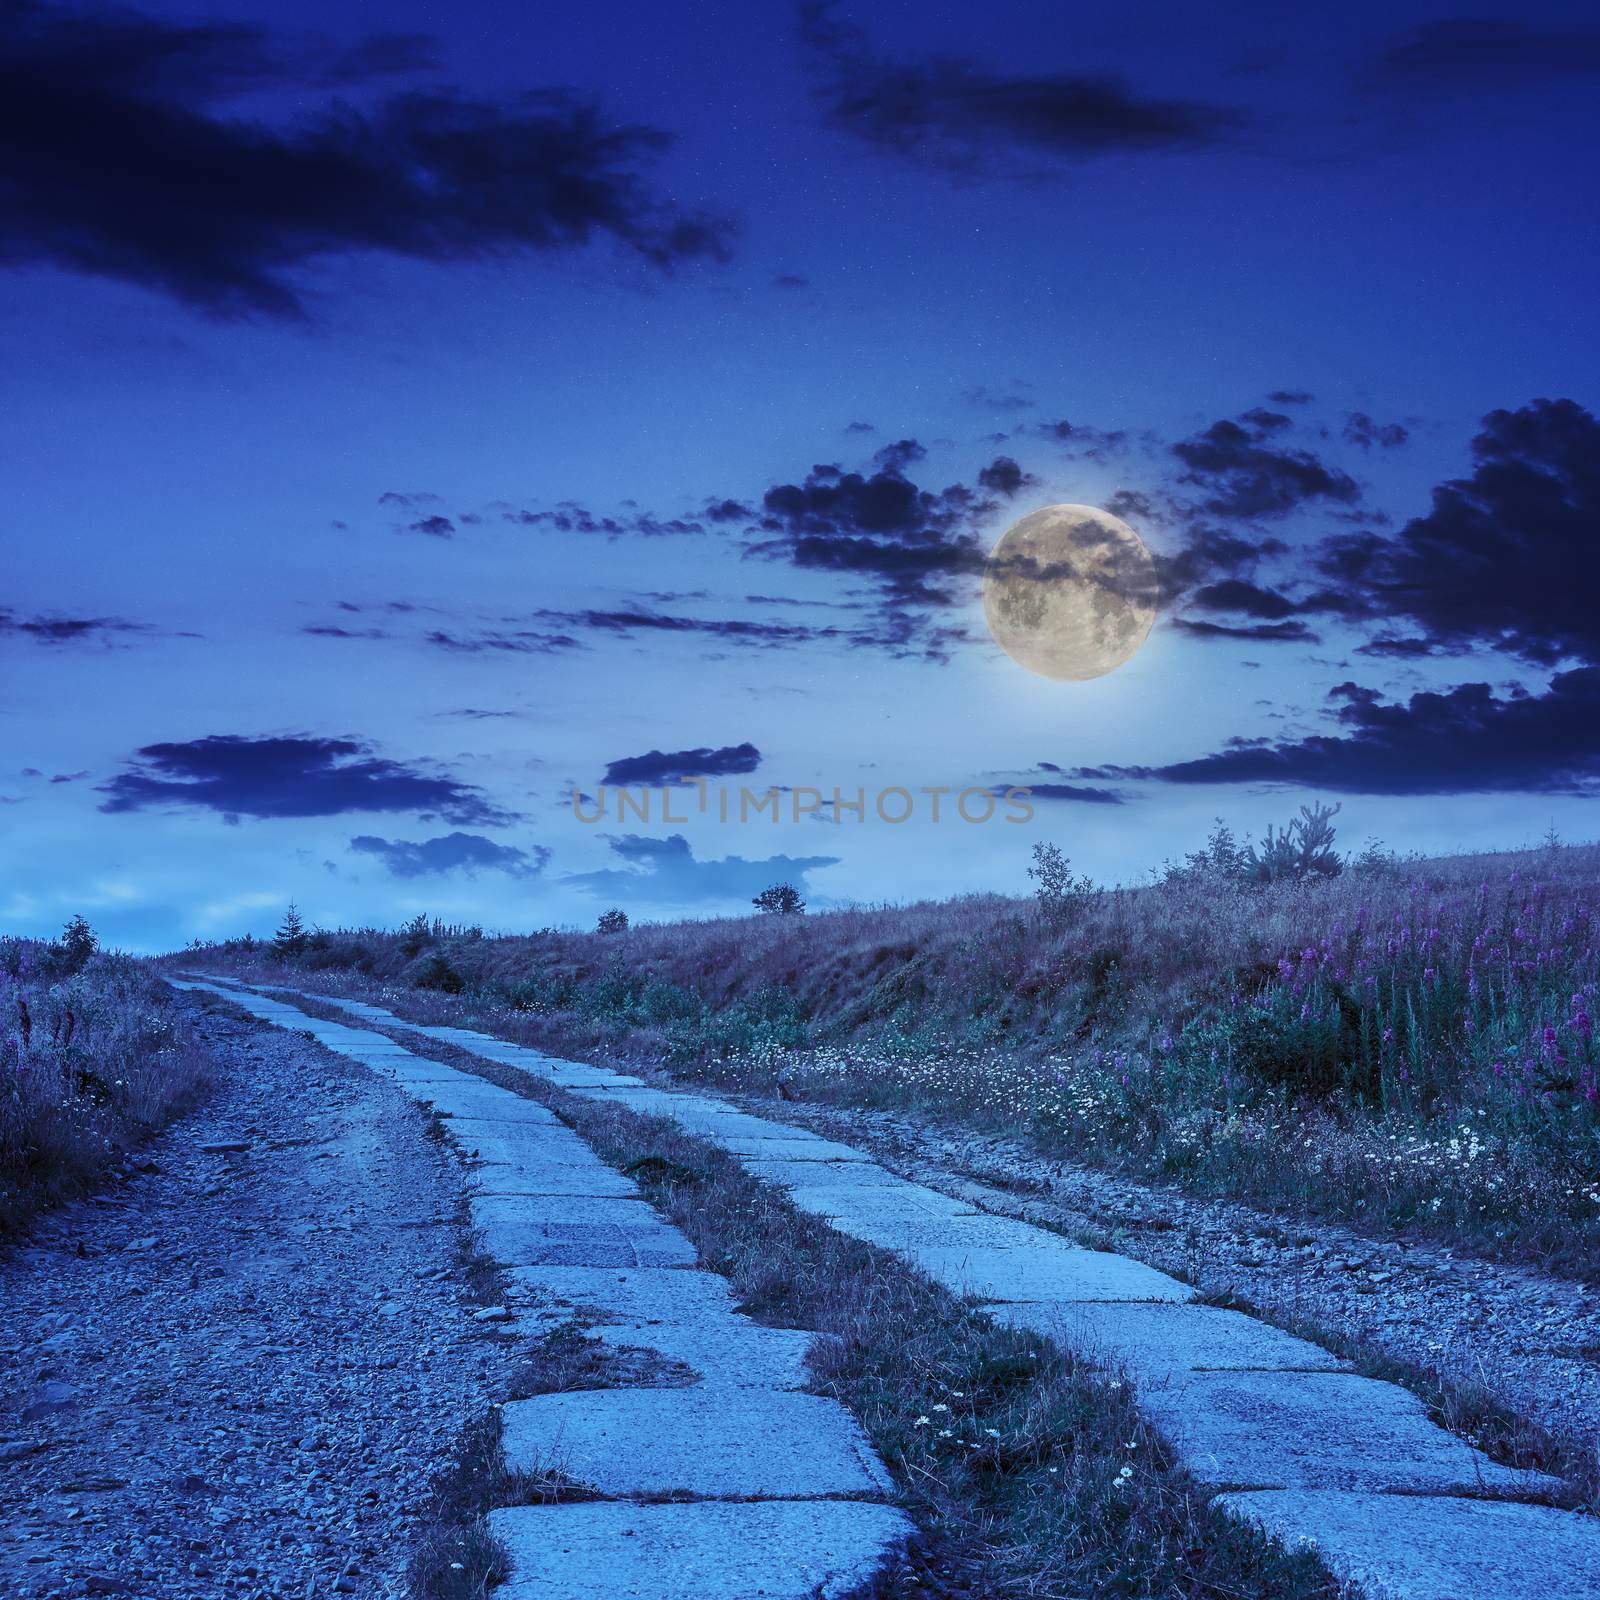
(91, 1064)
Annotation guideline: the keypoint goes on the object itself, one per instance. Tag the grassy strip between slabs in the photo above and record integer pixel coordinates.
(1030, 1473)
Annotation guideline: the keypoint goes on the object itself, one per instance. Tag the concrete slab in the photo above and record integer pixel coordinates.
(1153, 1341)
(1317, 1430)
(468, 1103)
(964, 1230)
(632, 1214)
(796, 1145)
(531, 1232)
(640, 1295)
(522, 1142)
(727, 1352)
(722, 1126)
(1033, 1275)
(718, 1444)
(536, 1178)
(796, 1550)
(646, 1101)
(1436, 1548)
(876, 1202)
(819, 1174)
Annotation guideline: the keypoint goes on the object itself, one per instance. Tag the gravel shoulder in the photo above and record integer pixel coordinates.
(237, 1371)
(1532, 1341)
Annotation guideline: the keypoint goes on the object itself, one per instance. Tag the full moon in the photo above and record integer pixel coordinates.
(1069, 592)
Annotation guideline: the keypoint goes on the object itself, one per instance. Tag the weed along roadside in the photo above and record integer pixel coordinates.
(1030, 1466)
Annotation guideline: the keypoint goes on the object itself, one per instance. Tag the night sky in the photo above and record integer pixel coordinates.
(404, 431)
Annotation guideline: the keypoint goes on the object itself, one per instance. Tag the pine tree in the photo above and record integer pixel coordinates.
(291, 939)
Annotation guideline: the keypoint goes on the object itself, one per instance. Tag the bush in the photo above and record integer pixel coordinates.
(782, 899)
(438, 973)
(1061, 897)
(89, 1066)
(613, 921)
(78, 943)
(1303, 850)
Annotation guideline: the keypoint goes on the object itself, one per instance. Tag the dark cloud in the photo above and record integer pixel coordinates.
(1464, 740)
(58, 631)
(1508, 558)
(393, 497)
(121, 157)
(332, 630)
(658, 767)
(665, 871)
(1243, 471)
(1483, 54)
(859, 427)
(1004, 476)
(1133, 506)
(436, 526)
(1244, 598)
(1256, 632)
(520, 642)
(986, 399)
(1208, 554)
(1082, 442)
(1052, 789)
(883, 527)
(1360, 429)
(464, 853)
(954, 115)
(570, 516)
(901, 454)
(632, 621)
(1291, 397)
(1238, 594)
(790, 280)
(295, 776)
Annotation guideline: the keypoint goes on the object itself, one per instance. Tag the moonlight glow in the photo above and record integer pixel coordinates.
(1069, 592)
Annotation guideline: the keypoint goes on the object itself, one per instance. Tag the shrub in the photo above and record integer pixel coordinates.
(438, 973)
(1061, 896)
(1303, 850)
(89, 1066)
(78, 943)
(613, 921)
(781, 899)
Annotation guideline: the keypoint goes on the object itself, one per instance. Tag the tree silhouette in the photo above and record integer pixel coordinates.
(782, 899)
(291, 938)
(78, 943)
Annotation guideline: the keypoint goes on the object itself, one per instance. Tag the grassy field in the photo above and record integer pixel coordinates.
(91, 1063)
(1401, 1046)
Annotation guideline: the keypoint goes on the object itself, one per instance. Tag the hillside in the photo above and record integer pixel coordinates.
(1409, 1045)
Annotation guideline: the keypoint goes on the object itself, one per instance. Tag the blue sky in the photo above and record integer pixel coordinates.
(321, 392)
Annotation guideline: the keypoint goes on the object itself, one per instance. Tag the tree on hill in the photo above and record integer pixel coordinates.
(291, 939)
(78, 943)
(613, 921)
(1303, 850)
(781, 899)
